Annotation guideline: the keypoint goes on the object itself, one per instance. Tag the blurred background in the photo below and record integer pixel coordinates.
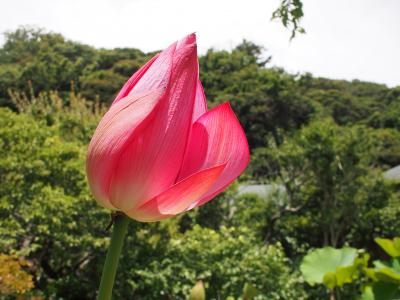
(317, 94)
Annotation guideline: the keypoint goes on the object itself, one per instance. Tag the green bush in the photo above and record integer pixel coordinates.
(225, 261)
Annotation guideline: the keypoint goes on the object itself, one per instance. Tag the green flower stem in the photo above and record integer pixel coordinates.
(111, 263)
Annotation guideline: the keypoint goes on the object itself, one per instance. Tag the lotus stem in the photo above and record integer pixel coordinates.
(114, 251)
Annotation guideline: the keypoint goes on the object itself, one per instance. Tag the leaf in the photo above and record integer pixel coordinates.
(332, 267)
(198, 292)
(388, 275)
(329, 280)
(249, 291)
(368, 293)
(391, 247)
(346, 274)
(386, 272)
(381, 291)
(290, 13)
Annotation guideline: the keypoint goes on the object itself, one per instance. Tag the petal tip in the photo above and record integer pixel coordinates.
(226, 105)
(188, 41)
(191, 38)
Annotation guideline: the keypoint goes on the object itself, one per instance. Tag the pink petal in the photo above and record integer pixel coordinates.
(111, 136)
(128, 86)
(151, 162)
(217, 138)
(190, 39)
(158, 74)
(177, 198)
(200, 107)
(200, 104)
(153, 75)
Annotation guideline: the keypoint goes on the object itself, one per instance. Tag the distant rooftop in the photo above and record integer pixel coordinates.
(393, 174)
(262, 190)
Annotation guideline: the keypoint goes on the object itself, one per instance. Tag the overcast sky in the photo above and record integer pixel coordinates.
(345, 39)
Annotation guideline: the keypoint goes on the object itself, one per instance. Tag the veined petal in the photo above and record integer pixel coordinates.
(111, 136)
(160, 69)
(151, 162)
(200, 103)
(128, 86)
(153, 75)
(190, 39)
(158, 74)
(177, 198)
(200, 107)
(217, 138)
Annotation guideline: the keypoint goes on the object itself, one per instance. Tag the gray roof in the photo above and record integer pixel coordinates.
(262, 190)
(392, 174)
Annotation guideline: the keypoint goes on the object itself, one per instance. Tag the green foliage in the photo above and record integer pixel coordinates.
(386, 272)
(335, 267)
(249, 292)
(330, 186)
(391, 247)
(225, 261)
(386, 275)
(74, 119)
(381, 291)
(103, 82)
(38, 206)
(388, 154)
(290, 12)
(198, 292)
(266, 100)
(330, 266)
(50, 62)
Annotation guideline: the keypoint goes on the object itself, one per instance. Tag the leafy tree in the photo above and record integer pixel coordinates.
(48, 62)
(332, 188)
(266, 100)
(46, 211)
(225, 261)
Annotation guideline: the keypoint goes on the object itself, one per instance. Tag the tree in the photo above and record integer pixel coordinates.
(331, 185)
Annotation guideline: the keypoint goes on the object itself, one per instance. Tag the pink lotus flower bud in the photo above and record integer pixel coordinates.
(158, 151)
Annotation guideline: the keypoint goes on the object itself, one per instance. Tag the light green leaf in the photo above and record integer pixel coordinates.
(368, 293)
(249, 291)
(381, 291)
(391, 247)
(388, 275)
(198, 292)
(330, 266)
(386, 272)
(346, 274)
(329, 280)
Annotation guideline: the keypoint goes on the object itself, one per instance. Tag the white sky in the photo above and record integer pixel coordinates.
(346, 39)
